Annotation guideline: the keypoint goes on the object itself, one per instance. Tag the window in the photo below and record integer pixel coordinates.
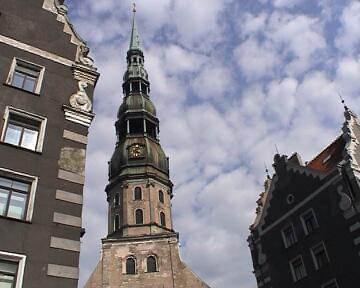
(289, 236)
(319, 256)
(151, 264)
(117, 222)
(23, 129)
(26, 76)
(13, 198)
(139, 216)
(330, 284)
(17, 193)
(151, 129)
(117, 199)
(137, 193)
(161, 196)
(11, 270)
(297, 269)
(136, 126)
(130, 265)
(162, 219)
(309, 222)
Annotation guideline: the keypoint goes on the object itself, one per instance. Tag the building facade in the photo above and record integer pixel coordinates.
(46, 110)
(141, 248)
(307, 229)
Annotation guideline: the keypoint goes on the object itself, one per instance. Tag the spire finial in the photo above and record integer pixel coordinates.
(343, 102)
(135, 38)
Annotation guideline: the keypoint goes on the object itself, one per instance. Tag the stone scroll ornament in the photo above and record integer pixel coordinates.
(80, 100)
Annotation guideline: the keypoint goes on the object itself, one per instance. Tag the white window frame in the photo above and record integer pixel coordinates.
(20, 259)
(303, 221)
(42, 120)
(33, 180)
(292, 268)
(284, 237)
(124, 265)
(330, 282)
(39, 68)
(156, 263)
(313, 255)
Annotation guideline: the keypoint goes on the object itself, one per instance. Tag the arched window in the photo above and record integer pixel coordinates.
(139, 216)
(137, 193)
(151, 264)
(117, 199)
(162, 219)
(130, 265)
(161, 196)
(117, 222)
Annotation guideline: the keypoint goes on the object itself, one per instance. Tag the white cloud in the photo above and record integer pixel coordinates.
(348, 38)
(286, 3)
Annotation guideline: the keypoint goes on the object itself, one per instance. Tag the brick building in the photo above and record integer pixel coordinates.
(46, 110)
(307, 230)
(141, 248)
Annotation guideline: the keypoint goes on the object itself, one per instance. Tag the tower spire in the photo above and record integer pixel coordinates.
(135, 37)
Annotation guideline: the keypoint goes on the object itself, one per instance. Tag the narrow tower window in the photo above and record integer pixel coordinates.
(117, 199)
(139, 216)
(162, 219)
(135, 86)
(137, 193)
(136, 126)
(161, 196)
(151, 264)
(130, 266)
(117, 222)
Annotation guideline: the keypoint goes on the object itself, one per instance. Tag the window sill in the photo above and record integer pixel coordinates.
(15, 219)
(20, 148)
(20, 89)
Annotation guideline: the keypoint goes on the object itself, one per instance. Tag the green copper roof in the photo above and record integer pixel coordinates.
(135, 38)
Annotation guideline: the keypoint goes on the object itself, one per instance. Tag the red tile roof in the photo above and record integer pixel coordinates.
(329, 157)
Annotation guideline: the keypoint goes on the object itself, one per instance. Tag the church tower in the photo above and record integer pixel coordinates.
(141, 248)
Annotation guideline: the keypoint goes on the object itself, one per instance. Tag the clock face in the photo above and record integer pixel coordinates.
(136, 151)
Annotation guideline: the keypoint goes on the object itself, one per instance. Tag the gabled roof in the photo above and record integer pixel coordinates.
(327, 159)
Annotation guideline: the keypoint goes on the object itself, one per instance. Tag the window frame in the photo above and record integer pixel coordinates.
(295, 279)
(135, 265)
(33, 182)
(20, 260)
(332, 281)
(116, 222)
(162, 223)
(24, 114)
(135, 218)
(311, 210)
(156, 264)
(287, 245)
(161, 197)
(40, 69)
(316, 264)
(141, 194)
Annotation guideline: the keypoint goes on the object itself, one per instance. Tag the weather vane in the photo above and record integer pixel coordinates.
(343, 101)
(134, 6)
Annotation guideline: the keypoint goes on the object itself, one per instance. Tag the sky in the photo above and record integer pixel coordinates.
(230, 79)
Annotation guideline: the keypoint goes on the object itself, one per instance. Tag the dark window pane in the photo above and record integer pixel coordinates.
(298, 269)
(161, 196)
(151, 264)
(138, 193)
(6, 182)
(130, 266)
(162, 219)
(117, 199)
(151, 129)
(310, 222)
(289, 235)
(135, 86)
(143, 88)
(136, 126)
(139, 216)
(117, 222)
(29, 84)
(320, 256)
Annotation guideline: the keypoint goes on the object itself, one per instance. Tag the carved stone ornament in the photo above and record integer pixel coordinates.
(345, 201)
(84, 58)
(80, 100)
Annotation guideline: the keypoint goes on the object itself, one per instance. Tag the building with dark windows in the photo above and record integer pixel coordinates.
(141, 248)
(46, 110)
(307, 229)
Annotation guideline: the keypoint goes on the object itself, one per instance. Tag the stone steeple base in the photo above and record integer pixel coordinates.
(171, 271)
